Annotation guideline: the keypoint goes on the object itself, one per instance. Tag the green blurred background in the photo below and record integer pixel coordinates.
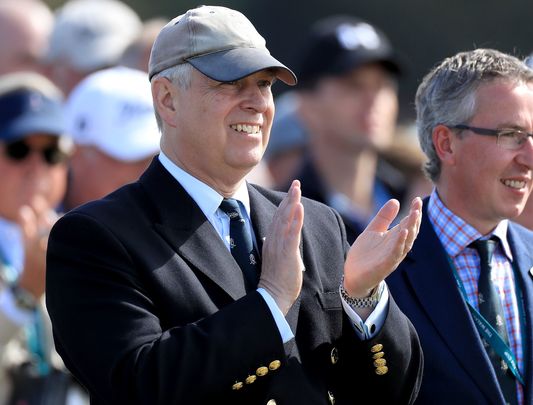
(424, 31)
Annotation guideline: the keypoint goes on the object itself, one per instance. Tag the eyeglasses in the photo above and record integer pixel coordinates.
(20, 150)
(511, 139)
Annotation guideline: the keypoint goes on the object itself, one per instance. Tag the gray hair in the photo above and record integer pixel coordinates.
(447, 94)
(181, 76)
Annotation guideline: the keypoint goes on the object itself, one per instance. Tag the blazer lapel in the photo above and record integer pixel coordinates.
(184, 226)
(523, 254)
(430, 275)
(262, 211)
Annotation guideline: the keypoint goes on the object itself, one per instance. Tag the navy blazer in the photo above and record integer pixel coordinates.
(457, 369)
(149, 307)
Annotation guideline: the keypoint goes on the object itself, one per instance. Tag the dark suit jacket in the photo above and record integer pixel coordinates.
(457, 369)
(149, 307)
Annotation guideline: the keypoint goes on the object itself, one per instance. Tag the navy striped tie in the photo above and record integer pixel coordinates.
(241, 244)
(490, 306)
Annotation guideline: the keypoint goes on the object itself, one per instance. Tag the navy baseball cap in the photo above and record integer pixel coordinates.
(24, 112)
(335, 45)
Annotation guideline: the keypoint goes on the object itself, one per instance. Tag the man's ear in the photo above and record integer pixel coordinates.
(444, 140)
(165, 100)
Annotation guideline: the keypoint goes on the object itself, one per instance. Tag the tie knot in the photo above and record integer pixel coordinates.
(485, 248)
(231, 207)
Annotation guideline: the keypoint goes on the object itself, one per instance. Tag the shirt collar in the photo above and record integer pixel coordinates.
(501, 233)
(455, 234)
(206, 197)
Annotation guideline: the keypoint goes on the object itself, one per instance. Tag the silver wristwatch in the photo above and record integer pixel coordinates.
(367, 302)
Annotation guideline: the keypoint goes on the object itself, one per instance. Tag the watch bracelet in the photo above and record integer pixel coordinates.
(367, 302)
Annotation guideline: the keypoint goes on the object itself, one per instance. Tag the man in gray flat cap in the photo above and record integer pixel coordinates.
(191, 286)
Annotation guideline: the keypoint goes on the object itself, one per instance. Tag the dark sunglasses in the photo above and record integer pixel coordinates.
(20, 150)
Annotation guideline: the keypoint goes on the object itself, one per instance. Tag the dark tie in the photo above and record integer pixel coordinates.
(490, 306)
(241, 244)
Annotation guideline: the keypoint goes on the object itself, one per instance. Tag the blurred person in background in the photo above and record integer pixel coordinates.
(348, 105)
(33, 166)
(110, 116)
(88, 35)
(404, 154)
(25, 27)
(467, 283)
(137, 54)
(288, 141)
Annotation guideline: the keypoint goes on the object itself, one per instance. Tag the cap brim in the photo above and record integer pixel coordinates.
(353, 60)
(234, 64)
(28, 125)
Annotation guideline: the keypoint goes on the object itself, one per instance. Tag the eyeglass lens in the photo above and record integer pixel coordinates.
(20, 150)
(512, 139)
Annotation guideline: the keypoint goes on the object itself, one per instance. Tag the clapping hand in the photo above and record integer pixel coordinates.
(281, 272)
(379, 250)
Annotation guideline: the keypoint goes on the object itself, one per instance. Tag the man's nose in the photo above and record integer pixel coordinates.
(255, 99)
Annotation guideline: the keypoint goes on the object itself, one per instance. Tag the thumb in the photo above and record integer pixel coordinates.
(384, 217)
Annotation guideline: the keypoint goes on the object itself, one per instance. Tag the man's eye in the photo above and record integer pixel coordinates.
(265, 83)
(518, 136)
(509, 133)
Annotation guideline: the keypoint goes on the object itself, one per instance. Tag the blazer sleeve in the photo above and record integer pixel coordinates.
(109, 333)
(397, 376)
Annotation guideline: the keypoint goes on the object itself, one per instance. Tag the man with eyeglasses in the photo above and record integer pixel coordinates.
(467, 284)
(33, 170)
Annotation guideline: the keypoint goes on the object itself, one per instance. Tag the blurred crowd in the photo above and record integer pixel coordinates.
(77, 122)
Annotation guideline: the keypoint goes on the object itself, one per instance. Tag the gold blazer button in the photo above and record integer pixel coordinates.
(261, 371)
(382, 370)
(376, 348)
